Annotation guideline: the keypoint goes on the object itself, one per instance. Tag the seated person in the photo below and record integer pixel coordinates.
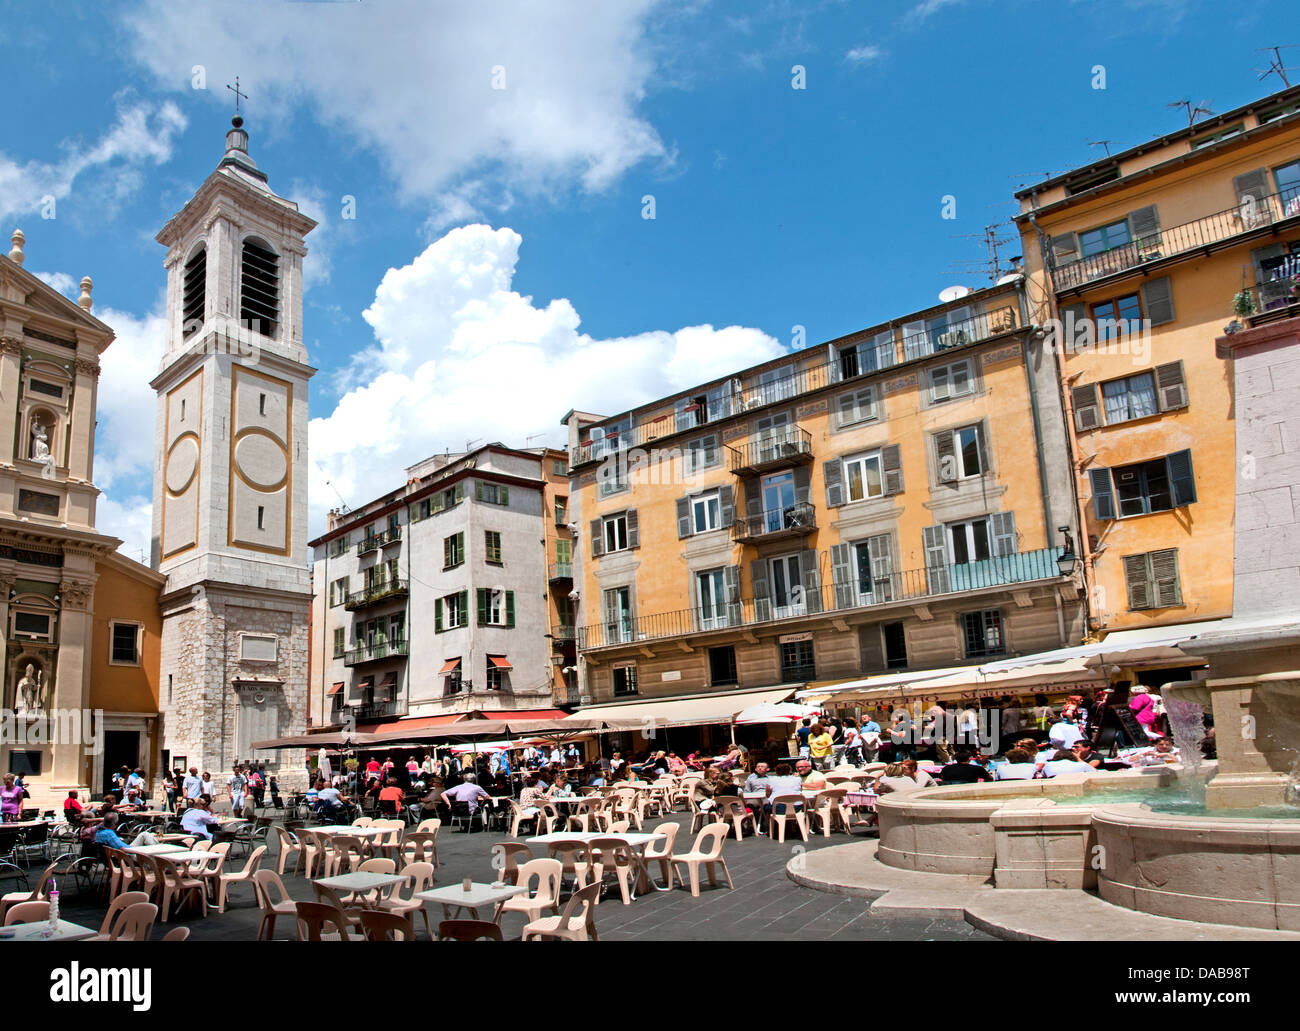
(1085, 753)
(467, 791)
(532, 796)
(1156, 755)
(758, 780)
(725, 785)
(1020, 765)
(561, 788)
(812, 779)
(895, 779)
(72, 808)
(923, 779)
(962, 770)
(784, 782)
(391, 797)
(330, 802)
(198, 818)
(1065, 761)
(107, 835)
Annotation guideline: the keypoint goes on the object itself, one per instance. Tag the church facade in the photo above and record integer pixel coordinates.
(230, 482)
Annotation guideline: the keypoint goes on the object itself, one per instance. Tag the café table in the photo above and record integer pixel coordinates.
(361, 885)
(65, 931)
(637, 841)
(157, 850)
(454, 899)
(357, 832)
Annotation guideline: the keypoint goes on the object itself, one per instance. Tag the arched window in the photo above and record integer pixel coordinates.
(196, 281)
(259, 292)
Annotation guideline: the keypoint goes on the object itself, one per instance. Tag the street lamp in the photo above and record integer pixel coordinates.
(1067, 561)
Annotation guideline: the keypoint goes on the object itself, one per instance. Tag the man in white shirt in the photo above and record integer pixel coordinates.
(1065, 762)
(193, 785)
(198, 818)
(1063, 735)
(330, 800)
(236, 786)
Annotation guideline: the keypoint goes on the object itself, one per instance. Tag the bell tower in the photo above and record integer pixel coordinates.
(230, 481)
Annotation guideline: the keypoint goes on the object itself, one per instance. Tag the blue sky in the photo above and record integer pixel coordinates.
(499, 270)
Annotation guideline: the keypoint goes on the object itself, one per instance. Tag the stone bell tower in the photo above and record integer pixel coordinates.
(230, 479)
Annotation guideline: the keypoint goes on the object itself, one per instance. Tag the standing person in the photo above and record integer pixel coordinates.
(1043, 712)
(11, 799)
(1143, 707)
(802, 735)
(236, 788)
(209, 788)
(837, 740)
(869, 739)
(257, 785)
(852, 742)
(821, 746)
(275, 792)
(426, 767)
(193, 784)
(412, 768)
(323, 765)
(169, 789)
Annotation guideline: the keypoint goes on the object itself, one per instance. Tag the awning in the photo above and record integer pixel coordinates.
(969, 681)
(881, 680)
(525, 714)
(335, 689)
(1121, 647)
(366, 682)
(390, 679)
(326, 739)
(450, 666)
(499, 662)
(685, 712)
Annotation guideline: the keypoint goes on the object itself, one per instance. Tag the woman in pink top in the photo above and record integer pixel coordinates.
(11, 799)
(1144, 710)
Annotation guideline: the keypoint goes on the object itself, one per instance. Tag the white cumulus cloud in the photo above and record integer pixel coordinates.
(462, 356)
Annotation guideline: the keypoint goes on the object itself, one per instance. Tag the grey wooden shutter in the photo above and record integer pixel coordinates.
(1259, 255)
(1003, 527)
(684, 528)
(1144, 226)
(727, 504)
(688, 459)
(982, 436)
(1135, 578)
(842, 576)
(633, 529)
(762, 594)
(1158, 300)
(613, 630)
(882, 566)
(1164, 578)
(1103, 494)
(731, 584)
(1182, 481)
(597, 539)
(945, 448)
(1253, 185)
(836, 373)
(871, 647)
(1087, 407)
(1064, 248)
(1074, 326)
(936, 557)
(812, 580)
(891, 463)
(1171, 386)
(833, 474)
(682, 418)
(802, 484)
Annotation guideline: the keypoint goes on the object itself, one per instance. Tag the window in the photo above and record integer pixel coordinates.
(451, 611)
(491, 493)
(797, 661)
(339, 546)
(261, 404)
(259, 296)
(1133, 397)
(873, 567)
(624, 680)
(561, 510)
(453, 550)
(195, 294)
(125, 643)
(612, 477)
(394, 522)
(951, 329)
(615, 531)
(969, 541)
(706, 512)
(498, 673)
(982, 632)
(261, 514)
(564, 552)
(786, 585)
(492, 547)
(1217, 137)
(949, 381)
(451, 673)
(421, 510)
(895, 646)
(863, 477)
(711, 598)
(1152, 579)
(618, 615)
(960, 453)
(1288, 185)
(1119, 316)
(1105, 238)
(339, 591)
(722, 666)
(339, 642)
(1154, 486)
(700, 453)
(32, 625)
(559, 467)
(859, 406)
(496, 607)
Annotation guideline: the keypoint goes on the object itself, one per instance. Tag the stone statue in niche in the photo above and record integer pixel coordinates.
(40, 442)
(31, 690)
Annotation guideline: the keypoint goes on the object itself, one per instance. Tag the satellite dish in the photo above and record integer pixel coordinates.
(954, 293)
(1010, 277)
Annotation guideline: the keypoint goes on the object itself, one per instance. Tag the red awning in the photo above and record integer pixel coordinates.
(390, 679)
(414, 723)
(499, 661)
(335, 689)
(525, 714)
(450, 666)
(366, 682)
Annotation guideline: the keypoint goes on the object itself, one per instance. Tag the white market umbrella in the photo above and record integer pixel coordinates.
(775, 712)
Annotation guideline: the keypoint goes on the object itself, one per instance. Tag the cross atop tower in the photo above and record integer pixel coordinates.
(238, 95)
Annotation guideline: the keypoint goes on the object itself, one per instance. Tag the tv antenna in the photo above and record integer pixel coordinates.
(470, 443)
(1275, 66)
(1105, 144)
(531, 437)
(343, 505)
(991, 265)
(1203, 108)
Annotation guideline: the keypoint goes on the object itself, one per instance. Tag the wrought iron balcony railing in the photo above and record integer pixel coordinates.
(379, 540)
(378, 710)
(785, 445)
(561, 571)
(815, 597)
(792, 521)
(1206, 233)
(759, 389)
(375, 652)
(563, 633)
(376, 593)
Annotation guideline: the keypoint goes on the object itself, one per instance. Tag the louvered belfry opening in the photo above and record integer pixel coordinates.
(259, 294)
(196, 279)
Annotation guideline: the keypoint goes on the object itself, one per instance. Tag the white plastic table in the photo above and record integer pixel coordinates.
(455, 897)
(65, 932)
(157, 850)
(635, 840)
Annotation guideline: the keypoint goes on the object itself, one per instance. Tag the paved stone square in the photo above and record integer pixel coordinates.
(765, 904)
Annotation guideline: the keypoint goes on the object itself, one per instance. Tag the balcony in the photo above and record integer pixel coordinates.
(366, 545)
(764, 388)
(831, 597)
(794, 521)
(375, 652)
(378, 710)
(1271, 215)
(562, 635)
(376, 593)
(784, 446)
(560, 571)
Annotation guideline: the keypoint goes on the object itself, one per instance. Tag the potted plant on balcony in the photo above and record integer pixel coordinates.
(1243, 306)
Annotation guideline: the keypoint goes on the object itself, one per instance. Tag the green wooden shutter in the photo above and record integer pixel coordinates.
(482, 606)
(1103, 494)
(464, 608)
(478, 490)
(1182, 481)
(510, 609)
(437, 615)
